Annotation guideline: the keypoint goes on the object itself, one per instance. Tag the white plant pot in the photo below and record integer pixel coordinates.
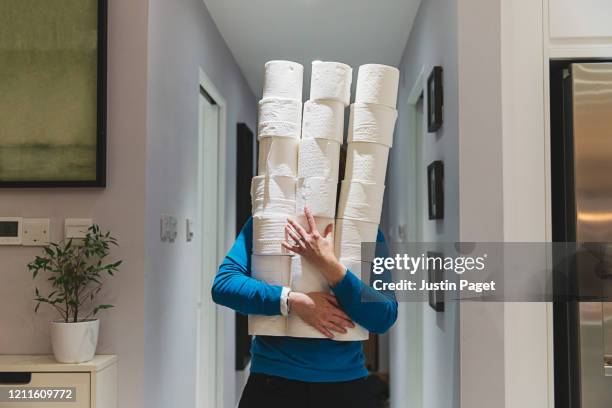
(74, 342)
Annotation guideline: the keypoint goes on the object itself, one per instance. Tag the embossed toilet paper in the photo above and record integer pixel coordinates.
(361, 201)
(331, 81)
(371, 123)
(377, 84)
(283, 79)
(278, 156)
(319, 158)
(323, 120)
(366, 162)
(319, 194)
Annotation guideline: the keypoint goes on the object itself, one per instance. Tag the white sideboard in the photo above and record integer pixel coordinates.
(94, 382)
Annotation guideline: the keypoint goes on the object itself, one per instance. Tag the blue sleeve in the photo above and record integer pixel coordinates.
(233, 286)
(372, 309)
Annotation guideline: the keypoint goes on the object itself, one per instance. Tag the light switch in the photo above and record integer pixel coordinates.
(76, 228)
(168, 228)
(35, 232)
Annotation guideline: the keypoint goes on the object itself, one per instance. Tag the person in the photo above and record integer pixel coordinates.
(300, 372)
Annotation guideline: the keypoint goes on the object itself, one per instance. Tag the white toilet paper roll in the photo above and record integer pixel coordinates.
(371, 123)
(280, 110)
(349, 236)
(331, 81)
(322, 223)
(319, 194)
(273, 195)
(305, 277)
(275, 270)
(296, 327)
(278, 156)
(267, 325)
(357, 333)
(319, 158)
(377, 84)
(366, 162)
(361, 201)
(323, 120)
(273, 187)
(288, 130)
(269, 234)
(283, 79)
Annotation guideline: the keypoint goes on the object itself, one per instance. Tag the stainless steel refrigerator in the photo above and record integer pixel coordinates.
(581, 174)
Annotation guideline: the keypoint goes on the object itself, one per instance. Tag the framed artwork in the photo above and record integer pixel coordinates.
(436, 275)
(53, 93)
(435, 190)
(435, 100)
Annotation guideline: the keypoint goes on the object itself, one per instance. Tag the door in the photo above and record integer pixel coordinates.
(207, 314)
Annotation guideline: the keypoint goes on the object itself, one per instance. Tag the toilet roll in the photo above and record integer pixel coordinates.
(331, 81)
(267, 325)
(319, 158)
(350, 234)
(296, 327)
(269, 234)
(322, 223)
(278, 156)
(323, 120)
(275, 270)
(273, 195)
(278, 129)
(377, 84)
(366, 162)
(273, 187)
(371, 123)
(319, 194)
(280, 110)
(283, 79)
(361, 201)
(305, 277)
(357, 333)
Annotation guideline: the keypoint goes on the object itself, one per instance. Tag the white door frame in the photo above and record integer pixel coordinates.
(406, 375)
(216, 339)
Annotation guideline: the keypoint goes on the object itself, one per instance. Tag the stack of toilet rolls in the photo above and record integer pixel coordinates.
(318, 169)
(273, 190)
(370, 136)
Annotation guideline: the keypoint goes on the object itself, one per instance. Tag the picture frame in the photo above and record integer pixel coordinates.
(435, 100)
(57, 133)
(436, 297)
(435, 190)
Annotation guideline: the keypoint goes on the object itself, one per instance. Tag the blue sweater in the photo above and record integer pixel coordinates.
(311, 360)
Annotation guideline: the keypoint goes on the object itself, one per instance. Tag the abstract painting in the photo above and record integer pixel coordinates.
(52, 93)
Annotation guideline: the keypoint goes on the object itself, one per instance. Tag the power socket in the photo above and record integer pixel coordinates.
(35, 232)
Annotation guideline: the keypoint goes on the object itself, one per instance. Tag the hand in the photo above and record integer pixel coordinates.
(314, 247)
(321, 311)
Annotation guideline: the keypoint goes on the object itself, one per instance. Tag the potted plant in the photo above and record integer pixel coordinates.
(76, 270)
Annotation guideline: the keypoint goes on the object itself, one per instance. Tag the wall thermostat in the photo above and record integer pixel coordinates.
(10, 230)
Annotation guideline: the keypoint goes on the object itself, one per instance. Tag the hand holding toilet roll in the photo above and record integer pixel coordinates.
(315, 247)
(321, 311)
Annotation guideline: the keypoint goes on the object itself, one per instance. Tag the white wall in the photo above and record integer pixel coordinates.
(432, 42)
(119, 208)
(183, 38)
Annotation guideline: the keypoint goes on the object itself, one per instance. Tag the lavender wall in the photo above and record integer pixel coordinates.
(183, 38)
(119, 208)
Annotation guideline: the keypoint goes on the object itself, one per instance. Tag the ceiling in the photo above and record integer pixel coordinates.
(355, 32)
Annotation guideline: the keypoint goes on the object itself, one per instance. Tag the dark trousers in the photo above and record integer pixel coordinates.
(264, 391)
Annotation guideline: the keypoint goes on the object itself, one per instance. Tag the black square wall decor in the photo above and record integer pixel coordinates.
(435, 190)
(435, 100)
